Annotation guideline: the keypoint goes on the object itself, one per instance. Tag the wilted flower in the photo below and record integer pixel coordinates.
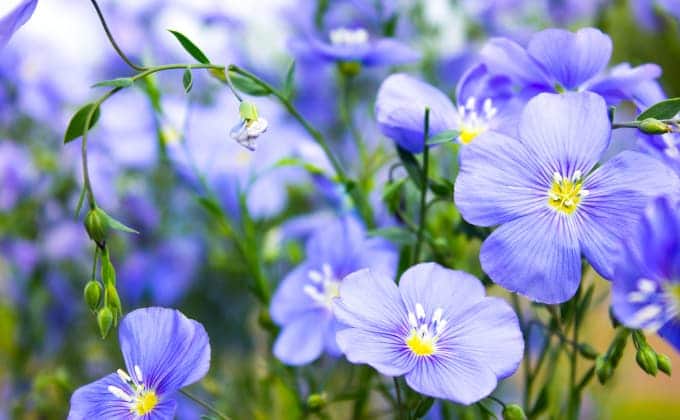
(557, 59)
(551, 201)
(646, 284)
(302, 305)
(163, 351)
(483, 103)
(437, 328)
(12, 20)
(247, 131)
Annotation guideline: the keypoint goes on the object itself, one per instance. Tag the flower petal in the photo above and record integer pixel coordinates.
(623, 82)
(505, 57)
(389, 52)
(301, 340)
(618, 193)
(536, 255)
(464, 381)
(499, 180)
(165, 409)
(170, 350)
(571, 58)
(487, 332)
(400, 111)
(290, 300)
(15, 19)
(671, 333)
(384, 350)
(434, 286)
(566, 132)
(95, 401)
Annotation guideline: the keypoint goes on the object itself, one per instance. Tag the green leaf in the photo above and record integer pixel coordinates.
(187, 80)
(662, 110)
(76, 127)
(247, 85)
(117, 225)
(391, 191)
(81, 199)
(289, 83)
(190, 47)
(121, 82)
(443, 137)
(442, 188)
(399, 236)
(412, 166)
(423, 407)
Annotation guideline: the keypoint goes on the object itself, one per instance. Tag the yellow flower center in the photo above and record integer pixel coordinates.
(421, 346)
(565, 194)
(673, 291)
(469, 134)
(145, 403)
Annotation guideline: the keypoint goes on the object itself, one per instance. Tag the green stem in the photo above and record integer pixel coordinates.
(423, 192)
(399, 403)
(636, 124)
(527, 356)
(574, 393)
(204, 404)
(346, 114)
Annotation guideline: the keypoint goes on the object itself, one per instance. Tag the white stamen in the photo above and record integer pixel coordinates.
(557, 177)
(119, 393)
(420, 312)
(646, 314)
(412, 320)
(315, 276)
(646, 286)
(637, 297)
(584, 193)
(577, 176)
(124, 376)
(138, 373)
(347, 36)
(437, 316)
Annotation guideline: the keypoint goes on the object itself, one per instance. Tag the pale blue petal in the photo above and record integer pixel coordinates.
(15, 19)
(566, 132)
(301, 340)
(671, 333)
(171, 350)
(290, 299)
(95, 401)
(571, 58)
(536, 255)
(505, 57)
(384, 350)
(389, 52)
(499, 180)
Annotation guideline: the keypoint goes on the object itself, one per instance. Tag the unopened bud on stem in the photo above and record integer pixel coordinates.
(654, 126)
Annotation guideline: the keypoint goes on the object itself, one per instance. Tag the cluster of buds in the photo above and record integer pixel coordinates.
(249, 128)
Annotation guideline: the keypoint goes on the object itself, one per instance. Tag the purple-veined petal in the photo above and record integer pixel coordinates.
(618, 192)
(624, 82)
(505, 57)
(15, 19)
(499, 180)
(571, 58)
(95, 401)
(170, 350)
(479, 84)
(537, 256)
(567, 132)
(434, 286)
(369, 298)
(290, 300)
(488, 332)
(464, 380)
(384, 350)
(400, 111)
(389, 52)
(301, 340)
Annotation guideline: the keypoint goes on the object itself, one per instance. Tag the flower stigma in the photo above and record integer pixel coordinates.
(565, 194)
(141, 400)
(471, 121)
(348, 36)
(424, 334)
(324, 286)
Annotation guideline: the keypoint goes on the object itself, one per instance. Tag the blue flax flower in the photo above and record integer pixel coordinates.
(437, 328)
(302, 304)
(15, 18)
(483, 102)
(646, 287)
(550, 199)
(163, 351)
(557, 59)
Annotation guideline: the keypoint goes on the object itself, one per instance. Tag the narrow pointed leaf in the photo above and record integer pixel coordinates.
(76, 127)
(443, 137)
(412, 166)
(117, 225)
(187, 81)
(289, 84)
(121, 82)
(662, 110)
(190, 47)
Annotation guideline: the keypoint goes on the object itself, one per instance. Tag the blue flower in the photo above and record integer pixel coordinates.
(483, 103)
(558, 59)
(302, 304)
(437, 328)
(354, 44)
(646, 286)
(551, 201)
(163, 351)
(647, 12)
(15, 18)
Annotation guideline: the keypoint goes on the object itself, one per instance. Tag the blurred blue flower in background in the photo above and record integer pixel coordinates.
(437, 327)
(302, 304)
(646, 284)
(551, 201)
(14, 18)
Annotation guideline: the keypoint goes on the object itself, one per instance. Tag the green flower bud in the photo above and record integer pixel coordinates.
(349, 68)
(92, 294)
(587, 351)
(96, 225)
(248, 111)
(603, 369)
(654, 126)
(646, 359)
(104, 321)
(113, 299)
(317, 401)
(513, 412)
(664, 363)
